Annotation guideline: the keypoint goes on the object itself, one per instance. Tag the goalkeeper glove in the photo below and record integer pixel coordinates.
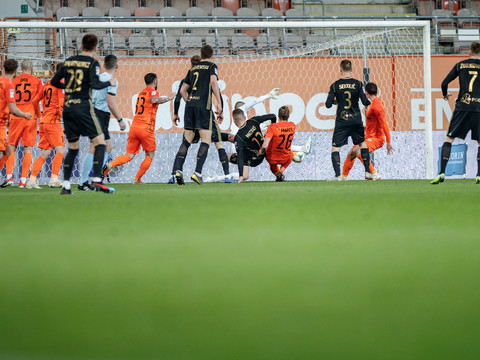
(273, 94)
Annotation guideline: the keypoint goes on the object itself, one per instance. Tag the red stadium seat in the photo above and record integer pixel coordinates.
(279, 5)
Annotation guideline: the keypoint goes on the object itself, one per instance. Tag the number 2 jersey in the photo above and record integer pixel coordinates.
(200, 91)
(468, 72)
(145, 110)
(28, 92)
(347, 92)
(281, 135)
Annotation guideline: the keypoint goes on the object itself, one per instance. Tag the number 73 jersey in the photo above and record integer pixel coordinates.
(145, 110)
(28, 92)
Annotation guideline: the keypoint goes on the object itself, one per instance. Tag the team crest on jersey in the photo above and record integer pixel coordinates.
(466, 99)
(154, 93)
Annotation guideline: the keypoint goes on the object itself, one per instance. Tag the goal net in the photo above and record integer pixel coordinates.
(300, 58)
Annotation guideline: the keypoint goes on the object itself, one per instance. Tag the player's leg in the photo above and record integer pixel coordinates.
(37, 166)
(222, 154)
(204, 122)
(133, 148)
(339, 138)
(4, 149)
(350, 160)
(477, 180)
(56, 165)
(72, 152)
(29, 139)
(55, 137)
(144, 166)
(187, 139)
(357, 132)
(86, 169)
(305, 148)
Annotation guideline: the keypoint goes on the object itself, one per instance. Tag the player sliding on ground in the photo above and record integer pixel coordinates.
(347, 92)
(51, 135)
(376, 130)
(466, 116)
(7, 107)
(142, 131)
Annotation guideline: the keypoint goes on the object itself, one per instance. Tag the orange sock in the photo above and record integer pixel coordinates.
(274, 169)
(37, 166)
(26, 162)
(122, 159)
(347, 166)
(143, 167)
(10, 163)
(371, 168)
(56, 164)
(3, 161)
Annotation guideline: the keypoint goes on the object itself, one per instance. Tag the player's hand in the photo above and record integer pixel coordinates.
(389, 149)
(175, 120)
(446, 97)
(334, 101)
(273, 94)
(113, 81)
(28, 116)
(122, 125)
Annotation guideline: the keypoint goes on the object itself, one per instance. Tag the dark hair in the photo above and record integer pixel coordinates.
(10, 65)
(111, 62)
(346, 65)
(195, 59)
(238, 112)
(284, 112)
(371, 88)
(89, 42)
(206, 52)
(58, 66)
(475, 48)
(150, 78)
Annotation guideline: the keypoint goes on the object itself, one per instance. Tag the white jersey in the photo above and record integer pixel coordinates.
(99, 97)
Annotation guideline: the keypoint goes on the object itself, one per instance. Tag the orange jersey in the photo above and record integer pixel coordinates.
(52, 102)
(7, 93)
(145, 110)
(28, 92)
(281, 135)
(376, 123)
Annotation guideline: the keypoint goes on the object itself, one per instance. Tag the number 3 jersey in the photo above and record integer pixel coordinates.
(28, 92)
(281, 135)
(145, 110)
(347, 92)
(468, 72)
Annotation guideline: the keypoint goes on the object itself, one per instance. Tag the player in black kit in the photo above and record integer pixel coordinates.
(346, 92)
(81, 75)
(466, 115)
(201, 80)
(248, 142)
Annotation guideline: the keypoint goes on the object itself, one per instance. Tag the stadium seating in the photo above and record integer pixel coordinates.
(232, 5)
(257, 5)
(144, 11)
(271, 12)
(156, 5)
(171, 45)
(130, 5)
(66, 12)
(189, 43)
(92, 12)
(280, 5)
(221, 44)
(196, 11)
(104, 5)
(181, 5)
(468, 21)
(262, 42)
(118, 47)
(242, 43)
(247, 12)
(139, 44)
(219, 11)
(206, 5)
(292, 41)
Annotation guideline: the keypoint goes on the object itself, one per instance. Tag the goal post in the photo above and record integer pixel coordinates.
(300, 57)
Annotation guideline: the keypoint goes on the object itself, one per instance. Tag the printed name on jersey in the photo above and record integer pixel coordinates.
(347, 86)
(469, 66)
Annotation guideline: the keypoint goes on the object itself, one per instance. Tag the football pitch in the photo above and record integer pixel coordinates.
(294, 270)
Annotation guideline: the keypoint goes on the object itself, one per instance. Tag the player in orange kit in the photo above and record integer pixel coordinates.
(51, 134)
(7, 107)
(376, 131)
(142, 128)
(28, 92)
(278, 142)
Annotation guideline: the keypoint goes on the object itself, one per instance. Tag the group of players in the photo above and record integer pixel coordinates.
(69, 94)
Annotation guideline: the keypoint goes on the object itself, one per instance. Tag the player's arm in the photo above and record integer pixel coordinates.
(216, 92)
(219, 118)
(161, 99)
(17, 112)
(176, 104)
(330, 97)
(95, 79)
(57, 78)
(268, 137)
(240, 159)
(452, 75)
(184, 89)
(112, 105)
(262, 118)
(61, 98)
(251, 103)
(382, 118)
(363, 96)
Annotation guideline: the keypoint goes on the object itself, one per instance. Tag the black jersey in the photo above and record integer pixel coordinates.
(347, 92)
(200, 92)
(81, 74)
(468, 72)
(249, 138)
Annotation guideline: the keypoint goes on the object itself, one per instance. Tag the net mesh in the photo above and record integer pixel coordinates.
(301, 62)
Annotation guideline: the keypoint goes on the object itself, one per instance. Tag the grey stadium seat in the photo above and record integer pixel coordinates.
(140, 45)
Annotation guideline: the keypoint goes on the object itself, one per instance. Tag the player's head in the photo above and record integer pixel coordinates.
(194, 59)
(238, 117)
(371, 89)
(284, 113)
(475, 48)
(239, 104)
(151, 80)
(89, 43)
(206, 52)
(345, 66)
(10, 66)
(27, 66)
(111, 62)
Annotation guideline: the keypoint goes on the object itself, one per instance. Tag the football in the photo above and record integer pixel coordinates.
(298, 156)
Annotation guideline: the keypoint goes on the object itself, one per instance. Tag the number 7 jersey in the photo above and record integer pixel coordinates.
(468, 72)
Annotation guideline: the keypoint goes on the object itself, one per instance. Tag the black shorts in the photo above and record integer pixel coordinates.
(462, 122)
(79, 119)
(342, 131)
(104, 119)
(198, 118)
(216, 135)
(252, 159)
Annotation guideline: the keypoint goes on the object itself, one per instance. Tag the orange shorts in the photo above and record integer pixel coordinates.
(3, 138)
(279, 159)
(374, 143)
(139, 136)
(24, 129)
(51, 135)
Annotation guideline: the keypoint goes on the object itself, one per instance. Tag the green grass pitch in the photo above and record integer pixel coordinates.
(294, 270)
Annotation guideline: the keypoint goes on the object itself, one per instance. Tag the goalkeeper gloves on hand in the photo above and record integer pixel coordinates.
(273, 94)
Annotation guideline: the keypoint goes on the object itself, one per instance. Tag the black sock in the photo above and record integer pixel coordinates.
(222, 154)
(181, 155)
(365, 154)
(98, 157)
(336, 162)
(446, 148)
(68, 163)
(478, 161)
(201, 157)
